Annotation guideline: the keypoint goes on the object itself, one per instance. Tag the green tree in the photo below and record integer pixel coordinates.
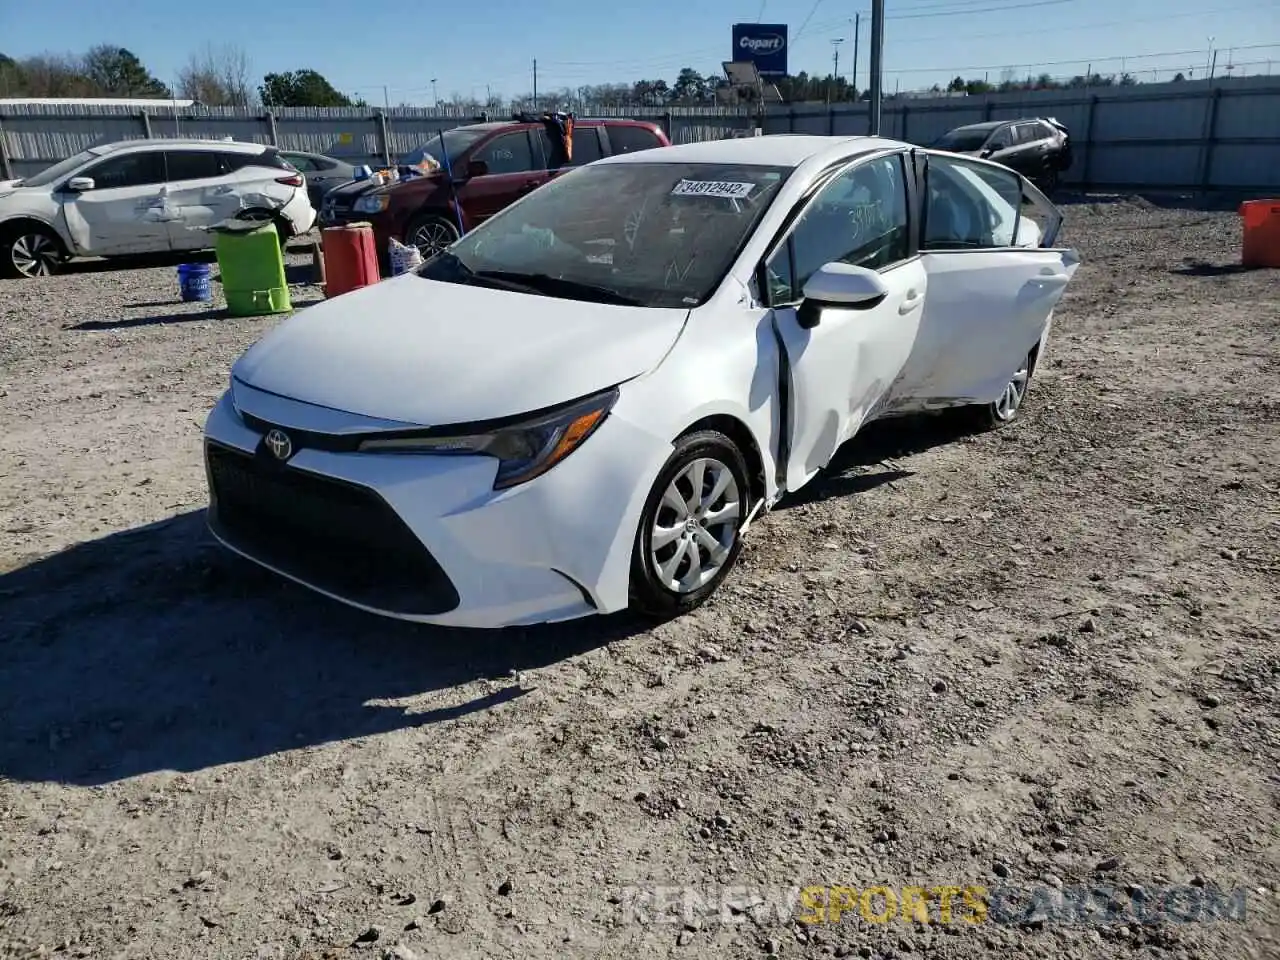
(301, 88)
(689, 86)
(117, 72)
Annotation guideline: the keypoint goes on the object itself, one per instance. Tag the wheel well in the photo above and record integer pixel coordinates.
(17, 224)
(741, 435)
(438, 213)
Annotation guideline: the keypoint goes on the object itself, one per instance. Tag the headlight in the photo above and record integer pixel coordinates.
(373, 204)
(524, 450)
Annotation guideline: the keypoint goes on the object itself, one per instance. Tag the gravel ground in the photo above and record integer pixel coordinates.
(1041, 658)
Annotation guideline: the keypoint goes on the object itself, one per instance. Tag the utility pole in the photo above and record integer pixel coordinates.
(535, 83)
(877, 66)
(853, 76)
(835, 67)
(435, 96)
(386, 97)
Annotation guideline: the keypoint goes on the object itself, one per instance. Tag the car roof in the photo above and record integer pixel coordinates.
(978, 127)
(778, 150)
(179, 143)
(488, 125)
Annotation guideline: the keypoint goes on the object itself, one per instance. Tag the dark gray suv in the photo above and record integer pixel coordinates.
(1038, 148)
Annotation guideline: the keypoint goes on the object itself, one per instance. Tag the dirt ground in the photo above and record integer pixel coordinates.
(1043, 658)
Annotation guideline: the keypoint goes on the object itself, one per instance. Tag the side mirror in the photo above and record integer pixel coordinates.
(477, 168)
(839, 284)
(79, 184)
(986, 152)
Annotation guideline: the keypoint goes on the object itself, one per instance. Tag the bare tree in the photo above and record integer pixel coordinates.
(217, 77)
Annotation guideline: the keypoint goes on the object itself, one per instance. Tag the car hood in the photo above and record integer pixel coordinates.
(430, 353)
(358, 188)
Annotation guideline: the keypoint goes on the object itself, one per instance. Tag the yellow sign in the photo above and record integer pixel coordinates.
(345, 138)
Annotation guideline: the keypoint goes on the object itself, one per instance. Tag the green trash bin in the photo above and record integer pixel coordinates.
(252, 267)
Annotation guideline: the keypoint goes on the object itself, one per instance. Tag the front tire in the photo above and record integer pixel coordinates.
(431, 233)
(689, 536)
(30, 252)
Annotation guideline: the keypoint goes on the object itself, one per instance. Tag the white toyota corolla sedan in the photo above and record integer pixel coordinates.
(581, 405)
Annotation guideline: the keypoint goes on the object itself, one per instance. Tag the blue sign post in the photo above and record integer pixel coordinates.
(764, 44)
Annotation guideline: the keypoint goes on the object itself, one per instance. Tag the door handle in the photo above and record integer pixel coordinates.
(1053, 279)
(913, 300)
(530, 184)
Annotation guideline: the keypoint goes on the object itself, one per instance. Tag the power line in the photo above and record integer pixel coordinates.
(1021, 4)
(578, 69)
(1085, 60)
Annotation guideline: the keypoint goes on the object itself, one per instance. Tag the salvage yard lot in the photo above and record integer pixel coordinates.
(1048, 655)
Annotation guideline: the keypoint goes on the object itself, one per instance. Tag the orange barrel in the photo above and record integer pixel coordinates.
(1261, 233)
(350, 258)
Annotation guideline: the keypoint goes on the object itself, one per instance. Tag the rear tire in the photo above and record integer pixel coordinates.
(30, 251)
(689, 534)
(1004, 409)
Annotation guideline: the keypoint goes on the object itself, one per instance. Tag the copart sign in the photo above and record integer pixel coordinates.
(764, 44)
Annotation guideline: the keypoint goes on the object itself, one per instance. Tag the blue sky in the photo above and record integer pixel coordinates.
(362, 47)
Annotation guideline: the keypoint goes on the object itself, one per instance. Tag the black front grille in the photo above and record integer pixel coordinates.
(337, 536)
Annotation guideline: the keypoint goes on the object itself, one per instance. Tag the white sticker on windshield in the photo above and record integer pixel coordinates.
(713, 188)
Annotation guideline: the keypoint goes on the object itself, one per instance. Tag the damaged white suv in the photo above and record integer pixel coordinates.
(145, 197)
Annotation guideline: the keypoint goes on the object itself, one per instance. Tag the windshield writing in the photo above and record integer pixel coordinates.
(648, 234)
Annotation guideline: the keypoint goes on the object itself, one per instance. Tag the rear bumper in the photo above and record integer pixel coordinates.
(300, 213)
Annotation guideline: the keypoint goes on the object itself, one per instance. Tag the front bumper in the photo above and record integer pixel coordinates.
(423, 537)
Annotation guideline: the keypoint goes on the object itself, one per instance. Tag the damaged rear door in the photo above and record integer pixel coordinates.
(202, 191)
(995, 277)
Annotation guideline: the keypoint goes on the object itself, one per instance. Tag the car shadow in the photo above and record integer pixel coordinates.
(156, 649)
(137, 262)
(853, 468)
(1206, 201)
(141, 261)
(1211, 269)
(125, 323)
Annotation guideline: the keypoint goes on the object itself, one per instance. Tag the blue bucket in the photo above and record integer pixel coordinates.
(193, 281)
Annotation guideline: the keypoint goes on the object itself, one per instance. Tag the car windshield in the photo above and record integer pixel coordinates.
(644, 234)
(455, 142)
(958, 141)
(49, 174)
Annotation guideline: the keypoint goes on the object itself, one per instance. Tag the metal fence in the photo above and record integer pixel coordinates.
(1214, 135)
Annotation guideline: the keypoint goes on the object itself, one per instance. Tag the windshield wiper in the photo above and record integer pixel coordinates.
(545, 283)
(482, 278)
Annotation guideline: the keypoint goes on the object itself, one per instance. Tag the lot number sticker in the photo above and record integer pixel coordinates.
(713, 188)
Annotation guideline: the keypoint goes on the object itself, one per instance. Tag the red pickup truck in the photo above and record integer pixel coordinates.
(493, 164)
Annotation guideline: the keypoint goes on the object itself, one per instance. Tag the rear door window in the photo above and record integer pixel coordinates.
(193, 164)
(629, 139)
(1029, 132)
(586, 145)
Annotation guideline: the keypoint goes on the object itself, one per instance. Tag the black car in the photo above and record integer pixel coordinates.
(1038, 148)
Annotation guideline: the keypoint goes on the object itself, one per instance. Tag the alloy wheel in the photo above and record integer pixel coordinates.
(34, 255)
(696, 525)
(1006, 407)
(432, 236)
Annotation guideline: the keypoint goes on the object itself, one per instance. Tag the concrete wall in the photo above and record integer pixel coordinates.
(1222, 134)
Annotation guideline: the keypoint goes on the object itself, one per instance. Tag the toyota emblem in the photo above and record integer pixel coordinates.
(279, 444)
